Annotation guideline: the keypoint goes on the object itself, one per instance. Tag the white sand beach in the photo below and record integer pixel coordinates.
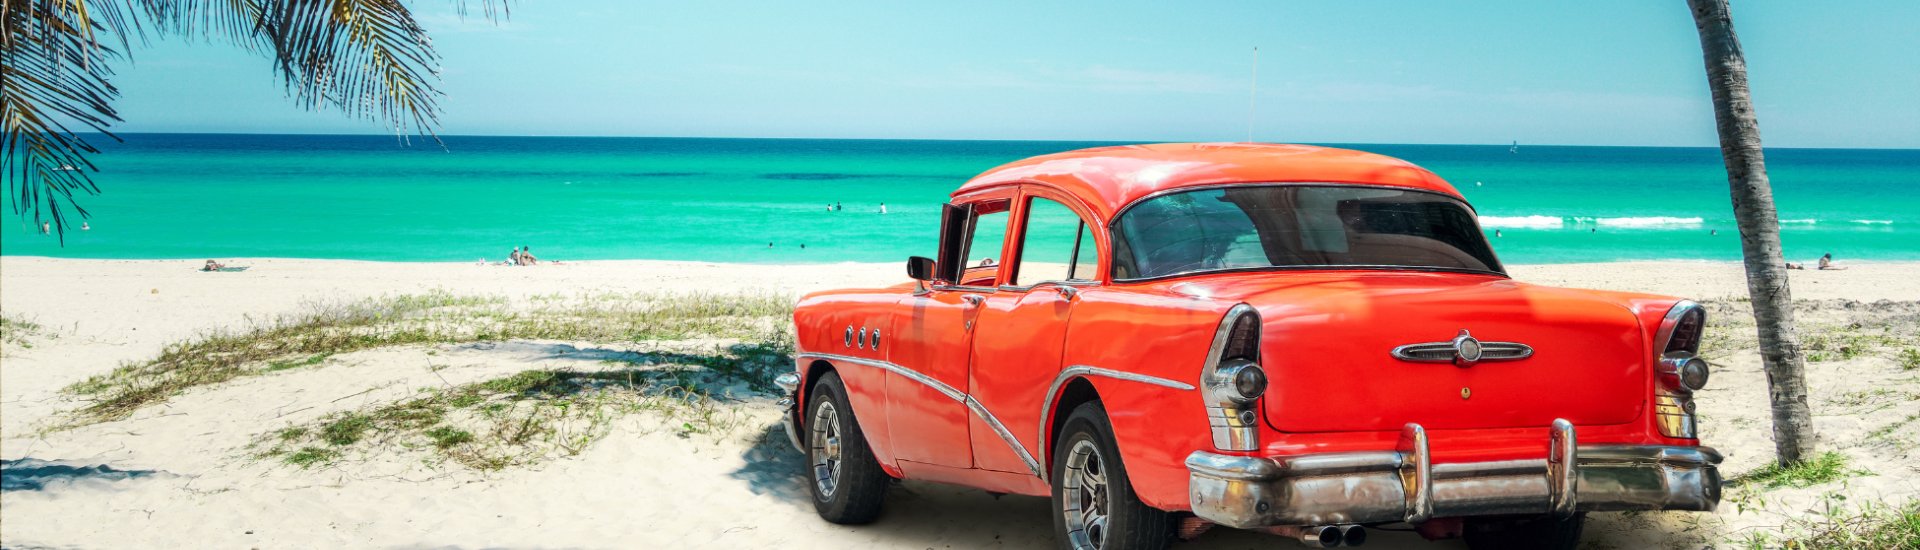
(182, 474)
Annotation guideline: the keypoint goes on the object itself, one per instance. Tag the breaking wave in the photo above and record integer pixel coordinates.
(1649, 221)
(1531, 222)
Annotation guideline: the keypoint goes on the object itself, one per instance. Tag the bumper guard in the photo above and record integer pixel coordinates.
(1405, 486)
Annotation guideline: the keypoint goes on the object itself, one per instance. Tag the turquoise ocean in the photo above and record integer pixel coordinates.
(196, 196)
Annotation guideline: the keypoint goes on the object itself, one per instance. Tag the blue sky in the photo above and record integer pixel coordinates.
(1825, 74)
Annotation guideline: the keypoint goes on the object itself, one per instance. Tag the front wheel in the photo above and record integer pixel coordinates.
(848, 484)
(1094, 505)
(1542, 532)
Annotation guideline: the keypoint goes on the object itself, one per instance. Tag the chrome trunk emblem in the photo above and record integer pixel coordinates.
(1463, 351)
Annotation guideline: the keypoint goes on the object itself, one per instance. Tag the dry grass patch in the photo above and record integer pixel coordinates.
(539, 414)
(308, 338)
(1870, 527)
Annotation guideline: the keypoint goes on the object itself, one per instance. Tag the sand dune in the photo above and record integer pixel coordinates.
(179, 475)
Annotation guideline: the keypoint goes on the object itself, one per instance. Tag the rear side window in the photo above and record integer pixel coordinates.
(982, 261)
(1057, 245)
(1298, 226)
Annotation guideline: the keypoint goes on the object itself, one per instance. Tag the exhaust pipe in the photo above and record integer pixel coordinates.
(1324, 536)
(1317, 536)
(1353, 535)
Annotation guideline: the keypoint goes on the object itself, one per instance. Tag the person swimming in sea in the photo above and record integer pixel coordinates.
(85, 227)
(46, 228)
(883, 208)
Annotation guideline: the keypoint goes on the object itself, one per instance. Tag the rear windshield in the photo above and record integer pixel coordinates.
(1265, 226)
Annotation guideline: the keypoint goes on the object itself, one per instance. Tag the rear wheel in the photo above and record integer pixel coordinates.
(1540, 532)
(848, 484)
(1093, 501)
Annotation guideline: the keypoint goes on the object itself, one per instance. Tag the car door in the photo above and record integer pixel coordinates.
(926, 397)
(1017, 346)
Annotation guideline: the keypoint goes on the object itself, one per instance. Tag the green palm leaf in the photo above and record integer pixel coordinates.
(369, 58)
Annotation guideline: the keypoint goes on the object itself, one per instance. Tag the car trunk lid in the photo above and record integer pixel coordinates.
(1327, 343)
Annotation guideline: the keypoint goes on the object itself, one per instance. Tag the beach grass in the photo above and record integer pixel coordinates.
(1828, 467)
(1830, 330)
(1870, 527)
(308, 339)
(538, 414)
(18, 331)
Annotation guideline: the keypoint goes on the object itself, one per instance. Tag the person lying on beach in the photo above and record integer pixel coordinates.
(1791, 265)
(212, 266)
(1826, 263)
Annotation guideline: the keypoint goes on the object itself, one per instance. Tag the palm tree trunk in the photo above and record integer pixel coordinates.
(1759, 229)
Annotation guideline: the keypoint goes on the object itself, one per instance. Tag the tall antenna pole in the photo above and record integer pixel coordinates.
(1253, 93)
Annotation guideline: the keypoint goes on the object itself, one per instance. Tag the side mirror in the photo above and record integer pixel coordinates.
(920, 268)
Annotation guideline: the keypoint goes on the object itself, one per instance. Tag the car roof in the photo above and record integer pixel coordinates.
(1109, 178)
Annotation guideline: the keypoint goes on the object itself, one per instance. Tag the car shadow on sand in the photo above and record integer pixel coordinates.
(922, 514)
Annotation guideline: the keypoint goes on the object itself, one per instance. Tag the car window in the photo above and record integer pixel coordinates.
(1057, 245)
(1259, 226)
(983, 248)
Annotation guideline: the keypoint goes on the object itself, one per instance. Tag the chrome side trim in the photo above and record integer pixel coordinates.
(1005, 435)
(944, 389)
(911, 374)
(1053, 390)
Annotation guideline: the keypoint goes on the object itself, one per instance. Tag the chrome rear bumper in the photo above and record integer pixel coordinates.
(1405, 486)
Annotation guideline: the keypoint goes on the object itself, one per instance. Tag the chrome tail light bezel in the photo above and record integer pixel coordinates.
(1233, 416)
(1673, 405)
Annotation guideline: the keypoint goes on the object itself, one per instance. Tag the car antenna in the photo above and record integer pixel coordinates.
(1253, 92)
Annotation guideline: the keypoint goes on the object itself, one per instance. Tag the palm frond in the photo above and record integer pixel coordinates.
(369, 58)
(53, 74)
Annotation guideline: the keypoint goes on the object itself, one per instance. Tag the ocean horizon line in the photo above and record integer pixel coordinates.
(1096, 142)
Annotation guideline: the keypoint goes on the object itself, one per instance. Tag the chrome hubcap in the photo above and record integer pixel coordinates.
(825, 443)
(1085, 488)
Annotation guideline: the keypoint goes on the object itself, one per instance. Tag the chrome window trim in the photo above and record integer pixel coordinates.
(1113, 231)
(1066, 283)
(1053, 391)
(967, 288)
(978, 410)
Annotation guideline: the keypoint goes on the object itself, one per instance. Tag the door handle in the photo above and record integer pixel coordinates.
(973, 299)
(1067, 292)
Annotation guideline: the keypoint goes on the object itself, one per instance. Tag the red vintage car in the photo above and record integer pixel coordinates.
(1302, 340)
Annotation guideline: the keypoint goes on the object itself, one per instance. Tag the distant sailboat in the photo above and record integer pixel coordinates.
(1515, 149)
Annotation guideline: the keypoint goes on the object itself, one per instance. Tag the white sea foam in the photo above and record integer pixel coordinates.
(1874, 222)
(1649, 221)
(1529, 222)
(1803, 221)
